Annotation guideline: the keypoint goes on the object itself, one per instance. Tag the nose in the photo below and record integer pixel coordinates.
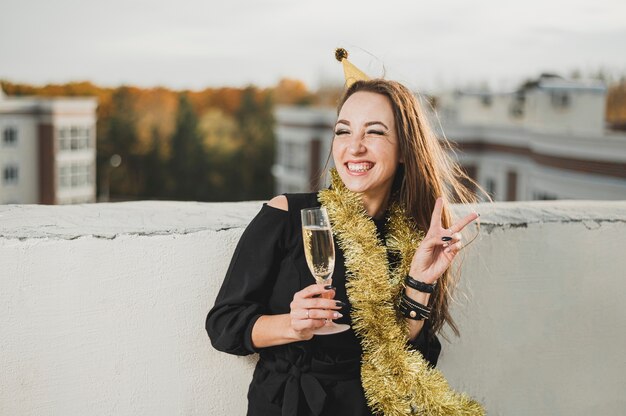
(356, 145)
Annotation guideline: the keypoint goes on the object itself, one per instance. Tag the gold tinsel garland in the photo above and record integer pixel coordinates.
(397, 381)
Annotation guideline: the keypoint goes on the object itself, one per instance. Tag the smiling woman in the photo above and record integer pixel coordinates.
(394, 243)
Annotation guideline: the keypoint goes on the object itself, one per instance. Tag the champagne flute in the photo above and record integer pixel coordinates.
(319, 251)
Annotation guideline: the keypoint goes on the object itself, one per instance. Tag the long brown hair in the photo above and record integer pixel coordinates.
(427, 173)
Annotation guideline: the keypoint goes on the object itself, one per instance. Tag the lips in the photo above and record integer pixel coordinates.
(359, 167)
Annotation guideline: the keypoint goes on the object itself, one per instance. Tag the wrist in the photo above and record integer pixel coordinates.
(420, 285)
(413, 309)
(417, 275)
(295, 336)
(421, 297)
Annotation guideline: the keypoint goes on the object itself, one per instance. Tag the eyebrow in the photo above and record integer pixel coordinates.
(369, 123)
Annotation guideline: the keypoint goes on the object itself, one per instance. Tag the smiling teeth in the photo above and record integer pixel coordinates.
(359, 167)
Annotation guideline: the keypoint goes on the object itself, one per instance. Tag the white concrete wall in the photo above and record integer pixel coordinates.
(544, 323)
(102, 309)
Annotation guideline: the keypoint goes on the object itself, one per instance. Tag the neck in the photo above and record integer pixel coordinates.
(375, 206)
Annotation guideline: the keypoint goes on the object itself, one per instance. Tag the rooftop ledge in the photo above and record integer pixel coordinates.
(102, 309)
(146, 218)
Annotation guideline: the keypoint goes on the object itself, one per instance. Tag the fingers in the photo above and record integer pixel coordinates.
(322, 314)
(308, 305)
(307, 325)
(312, 307)
(317, 303)
(449, 240)
(312, 290)
(305, 320)
(316, 297)
(462, 223)
(435, 219)
(454, 248)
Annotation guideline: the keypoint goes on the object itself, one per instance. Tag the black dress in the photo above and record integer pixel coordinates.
(316, 377)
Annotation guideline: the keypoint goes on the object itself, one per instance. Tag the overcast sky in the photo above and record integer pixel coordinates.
(198, 43)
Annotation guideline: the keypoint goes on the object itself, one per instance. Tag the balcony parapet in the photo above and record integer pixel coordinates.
(102, 309)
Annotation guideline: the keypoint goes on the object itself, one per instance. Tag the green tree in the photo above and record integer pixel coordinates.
(120, 137)
(154, 168)
(188, 167)
(256, 156)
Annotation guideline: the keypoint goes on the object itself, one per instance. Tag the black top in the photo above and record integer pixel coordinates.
(316, 377)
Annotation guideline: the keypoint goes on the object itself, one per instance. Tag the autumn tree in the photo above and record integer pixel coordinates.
(292, 92)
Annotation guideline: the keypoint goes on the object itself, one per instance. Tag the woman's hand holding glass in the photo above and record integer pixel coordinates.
(439, 247)
(319, 251)
(309, 310)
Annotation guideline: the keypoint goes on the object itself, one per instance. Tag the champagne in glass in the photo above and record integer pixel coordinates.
(319, 251)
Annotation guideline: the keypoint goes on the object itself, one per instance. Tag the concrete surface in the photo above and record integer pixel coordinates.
(102, 309)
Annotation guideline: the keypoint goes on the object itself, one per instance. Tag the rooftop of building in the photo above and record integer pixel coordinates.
(545, 81)
(45, 105)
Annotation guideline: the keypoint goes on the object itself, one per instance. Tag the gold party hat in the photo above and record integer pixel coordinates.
(350, 72)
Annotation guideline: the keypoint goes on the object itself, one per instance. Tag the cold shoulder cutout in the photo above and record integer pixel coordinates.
(279, 202)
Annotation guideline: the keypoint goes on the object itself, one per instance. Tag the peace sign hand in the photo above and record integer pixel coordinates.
(435, 254)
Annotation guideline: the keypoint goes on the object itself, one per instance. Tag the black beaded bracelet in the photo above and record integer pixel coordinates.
(419, 286)
(412, 309)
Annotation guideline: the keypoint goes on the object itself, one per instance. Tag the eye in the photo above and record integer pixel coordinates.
(341, 132)
(377, 132)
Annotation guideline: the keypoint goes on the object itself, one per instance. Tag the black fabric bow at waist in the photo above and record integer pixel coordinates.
(301, 378)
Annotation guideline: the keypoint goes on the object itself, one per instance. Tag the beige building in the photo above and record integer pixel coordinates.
(47, 150)
(547, 140)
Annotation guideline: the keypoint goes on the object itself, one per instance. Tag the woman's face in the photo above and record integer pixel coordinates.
(365, 147)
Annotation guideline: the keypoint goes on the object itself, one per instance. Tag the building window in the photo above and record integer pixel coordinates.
(10, 175)
(9, 136)
(64, 177)
(560, 99)
(74, 138)
(294, 157)
(516, 109)
(64, 139)
(75, 175)
(86, 138)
